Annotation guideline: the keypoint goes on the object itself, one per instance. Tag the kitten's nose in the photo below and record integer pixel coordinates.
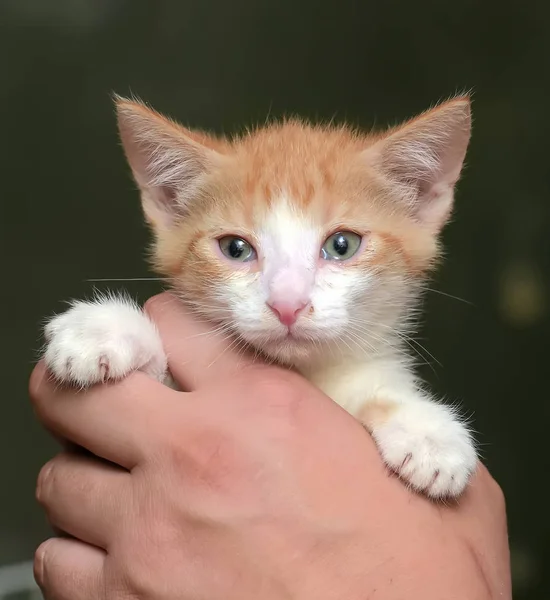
(287, 312)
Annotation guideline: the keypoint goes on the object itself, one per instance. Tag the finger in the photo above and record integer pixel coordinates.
(198, 352)
(84, 496)
(114, 421)
(67, 569)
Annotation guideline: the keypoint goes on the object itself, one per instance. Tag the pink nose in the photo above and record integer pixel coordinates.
(287, 312)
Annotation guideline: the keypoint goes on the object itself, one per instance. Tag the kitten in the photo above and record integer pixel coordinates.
(311, 243)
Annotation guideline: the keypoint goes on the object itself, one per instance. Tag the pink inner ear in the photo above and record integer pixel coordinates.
(436, 207)
(166, 197)
(159, 206)
(167, 161)
(424, 159)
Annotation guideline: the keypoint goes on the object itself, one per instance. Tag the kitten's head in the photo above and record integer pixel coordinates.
(299, 238)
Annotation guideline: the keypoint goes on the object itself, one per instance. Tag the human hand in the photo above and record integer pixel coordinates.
(251, 484)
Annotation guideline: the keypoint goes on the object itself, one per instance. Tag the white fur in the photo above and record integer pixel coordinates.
(286, 241)
(102, 340)
(289, 250)
(422, 440)
(351, 346)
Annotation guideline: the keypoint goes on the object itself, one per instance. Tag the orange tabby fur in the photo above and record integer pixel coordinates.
(318, 167)
(284, 189)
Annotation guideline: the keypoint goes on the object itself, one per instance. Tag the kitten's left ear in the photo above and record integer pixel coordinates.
(169, 162)
(423, 159)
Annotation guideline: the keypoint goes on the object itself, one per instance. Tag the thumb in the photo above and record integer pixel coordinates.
(198, 352)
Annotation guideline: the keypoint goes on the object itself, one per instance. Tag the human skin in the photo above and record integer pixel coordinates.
(251, 484)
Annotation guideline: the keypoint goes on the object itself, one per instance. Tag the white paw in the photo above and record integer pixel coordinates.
(428, 447)
(102, 340)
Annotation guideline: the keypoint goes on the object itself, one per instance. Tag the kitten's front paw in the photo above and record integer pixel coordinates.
(428, 447)
(103, 340)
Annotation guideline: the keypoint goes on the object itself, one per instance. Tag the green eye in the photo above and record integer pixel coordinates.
(341, 246)
(235, 248)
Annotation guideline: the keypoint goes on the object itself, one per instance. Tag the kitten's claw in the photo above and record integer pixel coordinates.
(429, 448)
(104, 368)
(95, 342)
(405, 461)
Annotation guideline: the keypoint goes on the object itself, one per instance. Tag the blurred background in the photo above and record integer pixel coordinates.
(70, 213)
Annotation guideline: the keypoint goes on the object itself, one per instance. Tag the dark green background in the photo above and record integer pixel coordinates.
(69, 211)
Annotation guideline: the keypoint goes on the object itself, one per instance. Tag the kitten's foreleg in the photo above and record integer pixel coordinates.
(424, 441)
(102, 340)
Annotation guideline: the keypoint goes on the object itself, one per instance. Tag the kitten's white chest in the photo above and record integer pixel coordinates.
(352, 383)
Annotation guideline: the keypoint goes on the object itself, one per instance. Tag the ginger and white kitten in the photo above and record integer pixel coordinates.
(311, 244)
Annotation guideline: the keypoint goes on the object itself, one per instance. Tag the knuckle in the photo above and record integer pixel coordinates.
(141, 585)
(492, 488)
(44, 482)
(140, 570)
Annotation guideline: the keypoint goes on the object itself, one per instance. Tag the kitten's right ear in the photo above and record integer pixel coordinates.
(168, 161)
(423, 160)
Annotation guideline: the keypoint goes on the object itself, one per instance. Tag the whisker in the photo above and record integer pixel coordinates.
(345, 342)
(363, 325)
(234, 343)
(220, 329)
(412, 341)
(355, 339)
(127, 279)
(358, 340)
(429, 289)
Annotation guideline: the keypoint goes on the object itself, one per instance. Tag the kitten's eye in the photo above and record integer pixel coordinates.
(236, 248)
(341, 245)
